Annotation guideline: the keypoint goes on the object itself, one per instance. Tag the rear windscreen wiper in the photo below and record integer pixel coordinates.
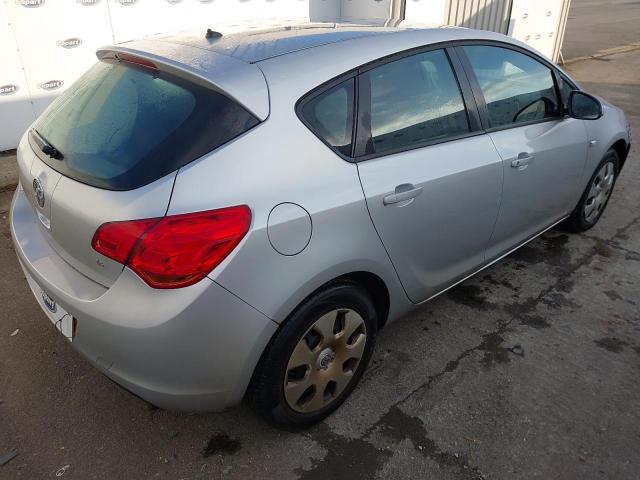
(46, 147)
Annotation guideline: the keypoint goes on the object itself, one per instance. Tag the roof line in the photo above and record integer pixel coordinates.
(301, 49)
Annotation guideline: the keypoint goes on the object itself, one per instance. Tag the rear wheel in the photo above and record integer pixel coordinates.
(596, 195)
(317, 357)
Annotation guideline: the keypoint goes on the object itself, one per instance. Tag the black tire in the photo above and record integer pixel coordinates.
(578, 222)
(266, 393)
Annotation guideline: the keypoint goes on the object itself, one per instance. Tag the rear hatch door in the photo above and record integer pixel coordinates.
(109, 148)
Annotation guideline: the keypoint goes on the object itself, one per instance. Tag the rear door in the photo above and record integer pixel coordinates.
(431, 178)
(544, 152)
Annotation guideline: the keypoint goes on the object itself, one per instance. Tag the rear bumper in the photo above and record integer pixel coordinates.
(192, 349)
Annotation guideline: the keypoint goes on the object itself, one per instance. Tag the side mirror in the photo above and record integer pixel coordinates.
(584, 106)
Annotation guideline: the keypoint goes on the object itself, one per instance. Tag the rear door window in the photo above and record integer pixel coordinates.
(329, 115)
(121, 126)
(516, 87)
(415, 100)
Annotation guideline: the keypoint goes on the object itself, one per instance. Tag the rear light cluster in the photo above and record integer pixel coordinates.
(135, 60)
(177, 250)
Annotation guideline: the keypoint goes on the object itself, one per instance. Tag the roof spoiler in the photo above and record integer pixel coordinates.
(241, 81)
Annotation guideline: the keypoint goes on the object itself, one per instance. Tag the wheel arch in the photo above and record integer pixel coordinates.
(621, 147)
(371, 282)
(377, 290)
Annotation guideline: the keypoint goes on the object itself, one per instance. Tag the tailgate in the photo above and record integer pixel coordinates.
(109, 148)
(70, 212)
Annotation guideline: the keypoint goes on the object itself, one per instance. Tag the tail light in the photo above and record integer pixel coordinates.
(135, 60)
(177, 250)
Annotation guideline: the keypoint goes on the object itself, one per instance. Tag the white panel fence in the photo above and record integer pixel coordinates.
(46, 44)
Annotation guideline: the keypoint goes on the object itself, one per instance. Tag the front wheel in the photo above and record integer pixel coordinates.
(596, 195)
(317, 357)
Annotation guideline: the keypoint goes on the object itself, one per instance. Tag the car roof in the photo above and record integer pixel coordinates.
(251, 65)
(253, 46)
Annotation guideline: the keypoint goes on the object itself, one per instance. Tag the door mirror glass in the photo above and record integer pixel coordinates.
(584, 106)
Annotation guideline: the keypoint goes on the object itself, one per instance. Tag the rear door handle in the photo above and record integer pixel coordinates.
(402, 193)
(522, 160)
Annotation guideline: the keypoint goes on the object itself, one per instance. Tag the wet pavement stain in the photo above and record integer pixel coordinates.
(535, 321)
(221, 444)
(499, 283)
(611, 344)
(555, 244)
(612, 295)
(526, 255)
(558, 300)
(494, 352)
(547, 249)
(565, 284)
(344, 457)
(632, 256)
(469, 295)
(398, 425)
(603, 250)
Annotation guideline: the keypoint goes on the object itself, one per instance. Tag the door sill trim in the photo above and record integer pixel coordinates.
(496, 260)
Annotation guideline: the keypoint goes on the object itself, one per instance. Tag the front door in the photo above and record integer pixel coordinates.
(544, 153)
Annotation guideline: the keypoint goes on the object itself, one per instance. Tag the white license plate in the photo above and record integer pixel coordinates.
(61, 319)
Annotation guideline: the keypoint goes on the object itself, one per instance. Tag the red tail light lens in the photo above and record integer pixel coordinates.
(116, 239)
(177, 250)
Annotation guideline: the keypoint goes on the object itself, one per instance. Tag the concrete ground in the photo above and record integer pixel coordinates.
(8, 170)
(595, 25)
(530, 370)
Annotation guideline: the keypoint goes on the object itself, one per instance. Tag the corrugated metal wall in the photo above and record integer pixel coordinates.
(481, 14)
(562, 24)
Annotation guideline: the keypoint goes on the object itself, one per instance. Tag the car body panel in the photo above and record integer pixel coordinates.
(162, 345)
(537, 194)
(254, 46)
(602, 134)
(441, 235)
(343, 239)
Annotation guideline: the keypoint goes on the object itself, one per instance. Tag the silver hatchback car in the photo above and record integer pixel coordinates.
(206, 216)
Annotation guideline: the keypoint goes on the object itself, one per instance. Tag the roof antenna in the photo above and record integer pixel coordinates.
(211, 34)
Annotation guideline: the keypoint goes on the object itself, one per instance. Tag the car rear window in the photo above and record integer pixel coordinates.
(330, 116)
(121, 126)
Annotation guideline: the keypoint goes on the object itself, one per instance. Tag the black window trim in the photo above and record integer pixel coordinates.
(321, 89)
(472, 97)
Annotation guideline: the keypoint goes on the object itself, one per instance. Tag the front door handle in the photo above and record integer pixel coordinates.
(402, 193)
(522, 160)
